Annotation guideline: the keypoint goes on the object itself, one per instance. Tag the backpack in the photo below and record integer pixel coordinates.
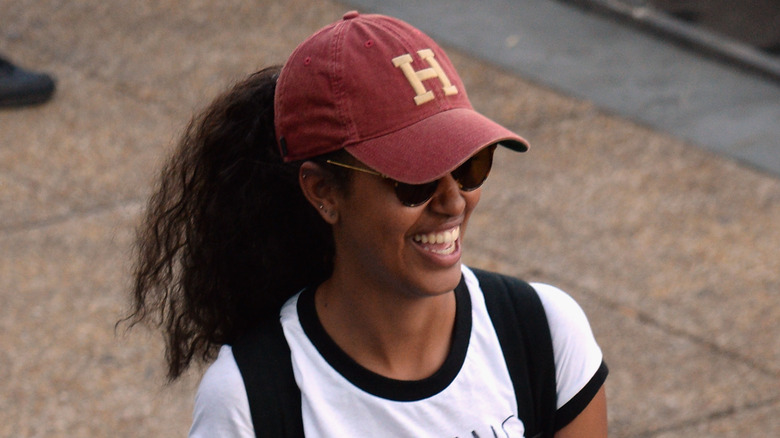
(517, 314)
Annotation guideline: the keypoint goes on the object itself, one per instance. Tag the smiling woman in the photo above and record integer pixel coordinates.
(308, 234)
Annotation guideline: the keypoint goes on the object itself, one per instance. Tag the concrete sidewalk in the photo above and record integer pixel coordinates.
(672, 250)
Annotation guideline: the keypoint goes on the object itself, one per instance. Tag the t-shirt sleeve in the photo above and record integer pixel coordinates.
(580, 370)
(221, 404)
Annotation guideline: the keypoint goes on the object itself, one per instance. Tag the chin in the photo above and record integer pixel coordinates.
(446, 280)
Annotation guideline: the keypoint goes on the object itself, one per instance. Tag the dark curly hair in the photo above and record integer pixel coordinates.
(228, 235)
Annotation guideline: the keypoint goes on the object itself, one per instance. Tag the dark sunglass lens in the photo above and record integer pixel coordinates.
(471, 174)
(413, 195)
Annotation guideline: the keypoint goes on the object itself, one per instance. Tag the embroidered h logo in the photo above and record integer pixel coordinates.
(415, 78)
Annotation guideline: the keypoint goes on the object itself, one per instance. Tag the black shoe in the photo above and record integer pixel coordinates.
(19, 87)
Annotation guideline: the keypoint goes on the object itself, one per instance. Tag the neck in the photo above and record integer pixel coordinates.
(394, 334)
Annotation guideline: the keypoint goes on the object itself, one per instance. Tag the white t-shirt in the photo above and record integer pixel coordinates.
(471, 395)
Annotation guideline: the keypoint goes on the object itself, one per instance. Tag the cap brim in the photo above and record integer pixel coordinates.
(431, 148)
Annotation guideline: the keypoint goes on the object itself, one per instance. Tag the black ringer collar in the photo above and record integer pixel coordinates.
(384, 387)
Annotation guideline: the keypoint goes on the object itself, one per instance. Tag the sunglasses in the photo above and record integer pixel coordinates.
(470, 175)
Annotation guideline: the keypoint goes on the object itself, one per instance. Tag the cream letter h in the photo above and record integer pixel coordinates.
(415, 78)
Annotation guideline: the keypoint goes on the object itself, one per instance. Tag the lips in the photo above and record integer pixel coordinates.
(442, 242)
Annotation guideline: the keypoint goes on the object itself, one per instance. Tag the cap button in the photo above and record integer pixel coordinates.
(350, 15)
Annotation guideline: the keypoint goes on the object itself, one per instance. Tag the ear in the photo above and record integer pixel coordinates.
(318, 187)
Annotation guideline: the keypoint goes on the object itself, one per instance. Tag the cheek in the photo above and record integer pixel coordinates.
(371, 214)
(472, 199)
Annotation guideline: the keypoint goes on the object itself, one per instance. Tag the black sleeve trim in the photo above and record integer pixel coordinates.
(574, 407)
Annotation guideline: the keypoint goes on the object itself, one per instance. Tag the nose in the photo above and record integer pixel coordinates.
(448, 199)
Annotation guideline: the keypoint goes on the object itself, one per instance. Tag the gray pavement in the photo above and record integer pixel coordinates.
(635, 74)
(671, 249)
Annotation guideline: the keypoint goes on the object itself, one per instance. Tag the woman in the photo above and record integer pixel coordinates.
(327, 201)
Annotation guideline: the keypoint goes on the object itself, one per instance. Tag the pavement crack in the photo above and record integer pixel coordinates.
(715, 348)
(709, 417)
(708, 344)
(57, 219)
(649, 320)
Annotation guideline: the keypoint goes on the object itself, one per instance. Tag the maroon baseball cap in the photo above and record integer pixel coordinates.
(388, 94)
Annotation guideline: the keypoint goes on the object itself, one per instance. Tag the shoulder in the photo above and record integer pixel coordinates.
(221, 404)
(563, 312)
(578, 357)
(560, 309)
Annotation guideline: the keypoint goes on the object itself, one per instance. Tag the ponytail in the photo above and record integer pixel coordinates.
(227, 236)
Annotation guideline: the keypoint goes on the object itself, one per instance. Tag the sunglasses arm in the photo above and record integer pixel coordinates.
(359, 169)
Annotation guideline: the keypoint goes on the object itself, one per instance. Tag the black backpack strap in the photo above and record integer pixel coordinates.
(521, 324)
(263, 357)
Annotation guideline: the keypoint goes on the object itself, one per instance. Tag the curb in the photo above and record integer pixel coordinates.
(723, 48)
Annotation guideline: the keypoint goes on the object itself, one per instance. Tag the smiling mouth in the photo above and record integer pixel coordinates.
(439, 243)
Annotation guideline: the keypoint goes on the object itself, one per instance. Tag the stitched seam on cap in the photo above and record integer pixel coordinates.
(344, 114)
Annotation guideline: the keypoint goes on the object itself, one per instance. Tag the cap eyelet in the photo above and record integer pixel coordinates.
(307, 61)
(369, 43)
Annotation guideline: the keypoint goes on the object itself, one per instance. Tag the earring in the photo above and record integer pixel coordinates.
(321, 206)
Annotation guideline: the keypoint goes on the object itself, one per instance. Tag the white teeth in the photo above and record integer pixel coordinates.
(449, 236)
(448, 250)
